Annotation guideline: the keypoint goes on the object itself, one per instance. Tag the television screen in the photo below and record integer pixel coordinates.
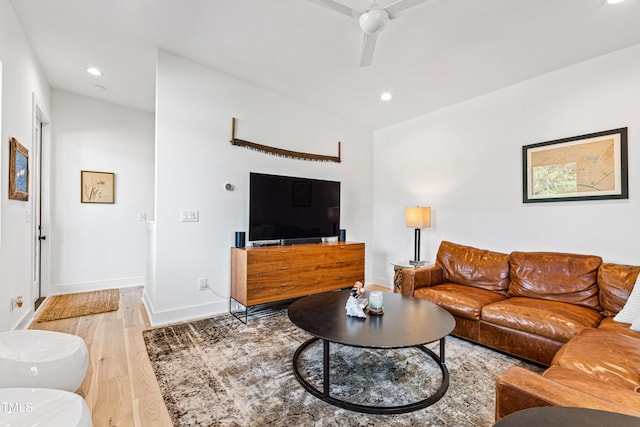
(285, 207)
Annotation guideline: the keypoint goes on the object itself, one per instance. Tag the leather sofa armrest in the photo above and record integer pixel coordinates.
(518, 388)
(413, 279)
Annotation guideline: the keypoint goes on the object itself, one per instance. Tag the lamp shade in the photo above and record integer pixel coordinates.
(419, 217)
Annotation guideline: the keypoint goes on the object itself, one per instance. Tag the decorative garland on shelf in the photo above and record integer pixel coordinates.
(280, 151)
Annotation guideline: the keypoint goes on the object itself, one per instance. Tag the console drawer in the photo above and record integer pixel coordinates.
(273, 273)
(274, 290)
(344, 277)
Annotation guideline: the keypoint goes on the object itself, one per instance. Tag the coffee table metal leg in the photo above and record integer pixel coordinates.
(325, 394)
(325, 367)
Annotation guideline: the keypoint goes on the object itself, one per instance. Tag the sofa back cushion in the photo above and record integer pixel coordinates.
(470, 266)
(616, 283)
(555, 276)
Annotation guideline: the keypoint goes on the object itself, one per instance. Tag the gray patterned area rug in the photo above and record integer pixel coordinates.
(220, 372)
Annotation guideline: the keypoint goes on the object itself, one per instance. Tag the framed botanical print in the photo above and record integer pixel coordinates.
(97, 187)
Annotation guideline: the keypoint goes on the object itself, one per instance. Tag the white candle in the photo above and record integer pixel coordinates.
(375, 300)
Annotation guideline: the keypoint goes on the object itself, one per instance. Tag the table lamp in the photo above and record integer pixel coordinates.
(418, 218)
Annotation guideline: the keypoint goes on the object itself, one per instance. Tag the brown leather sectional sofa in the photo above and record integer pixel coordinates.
(554, 309)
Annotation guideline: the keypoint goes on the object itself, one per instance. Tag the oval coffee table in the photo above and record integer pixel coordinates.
(544, 416)
(406, 322)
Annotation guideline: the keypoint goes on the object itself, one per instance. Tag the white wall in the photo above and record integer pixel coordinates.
(21, 79)
(1, 152)
(99, 246)
(465, 162)
(194, 160)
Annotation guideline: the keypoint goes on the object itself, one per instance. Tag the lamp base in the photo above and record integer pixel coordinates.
(417, 263)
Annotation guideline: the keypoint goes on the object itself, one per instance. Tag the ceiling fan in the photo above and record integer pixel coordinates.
(372, 21)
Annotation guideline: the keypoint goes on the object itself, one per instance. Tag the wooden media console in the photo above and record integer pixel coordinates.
(264, 274)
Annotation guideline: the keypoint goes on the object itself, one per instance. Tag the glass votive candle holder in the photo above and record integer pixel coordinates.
(375, 300)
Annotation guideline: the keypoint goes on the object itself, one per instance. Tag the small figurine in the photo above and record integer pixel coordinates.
(357, 290)
(356, 305)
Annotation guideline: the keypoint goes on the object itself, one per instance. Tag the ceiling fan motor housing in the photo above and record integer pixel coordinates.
(373, 21)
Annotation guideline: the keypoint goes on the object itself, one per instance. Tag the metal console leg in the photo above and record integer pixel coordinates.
(236, 313)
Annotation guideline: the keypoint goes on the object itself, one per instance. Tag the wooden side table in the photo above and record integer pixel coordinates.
(397, 274)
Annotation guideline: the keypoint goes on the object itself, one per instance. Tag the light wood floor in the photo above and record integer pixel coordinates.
(120, 387)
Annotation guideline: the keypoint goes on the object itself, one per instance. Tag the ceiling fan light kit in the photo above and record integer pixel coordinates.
(372, 21)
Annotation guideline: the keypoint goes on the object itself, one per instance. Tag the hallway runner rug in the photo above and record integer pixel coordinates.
(80, 304)
(220, 372)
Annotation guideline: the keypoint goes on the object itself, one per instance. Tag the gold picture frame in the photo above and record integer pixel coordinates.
(97, 187)
(18, 171)
(586, 167)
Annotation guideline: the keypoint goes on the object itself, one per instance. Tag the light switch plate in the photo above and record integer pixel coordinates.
(189, 215)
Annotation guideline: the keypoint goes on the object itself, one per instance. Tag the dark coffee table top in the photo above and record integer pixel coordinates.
(406, 321)
(548, 416)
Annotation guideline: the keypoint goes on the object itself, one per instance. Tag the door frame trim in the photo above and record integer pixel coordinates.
(38, 113)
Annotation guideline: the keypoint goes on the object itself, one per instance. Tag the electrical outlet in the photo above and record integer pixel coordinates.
(203, 284)
(142, 216)
(189, 215)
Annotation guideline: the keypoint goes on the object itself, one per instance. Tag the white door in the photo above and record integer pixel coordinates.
(36, 196)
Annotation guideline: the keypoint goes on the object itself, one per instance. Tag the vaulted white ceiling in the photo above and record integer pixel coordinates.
(436, 54)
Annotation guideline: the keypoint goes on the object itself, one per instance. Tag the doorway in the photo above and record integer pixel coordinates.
(37, 190)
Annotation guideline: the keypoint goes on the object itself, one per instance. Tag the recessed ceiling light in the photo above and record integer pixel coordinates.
(94, 71)
(386, 96)
(614, 1)
(99, 88)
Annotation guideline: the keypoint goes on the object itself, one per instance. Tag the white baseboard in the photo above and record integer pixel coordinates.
(183, 314)
(97, 285)
(382, 281)
(25, 321)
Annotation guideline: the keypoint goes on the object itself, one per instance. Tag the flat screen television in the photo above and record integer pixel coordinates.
(285, 207)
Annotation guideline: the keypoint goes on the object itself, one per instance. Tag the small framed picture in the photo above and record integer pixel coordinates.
(18, 171)
(97, 187)
(585, 167)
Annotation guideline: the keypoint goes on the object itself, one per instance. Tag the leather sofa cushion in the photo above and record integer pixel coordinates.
(552, 319)
(607, 324)
(555, 276)
(616, 282)
(460, 300)
(518, 388)
(470, 266)
(578, 380)
(607, 356)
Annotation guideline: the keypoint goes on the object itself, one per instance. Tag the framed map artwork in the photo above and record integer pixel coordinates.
(97, 187)
(18, 171)
(585, 167)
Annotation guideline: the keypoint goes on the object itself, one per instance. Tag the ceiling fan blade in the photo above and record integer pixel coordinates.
(395, 9)
(368, 47)
(338, 7)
